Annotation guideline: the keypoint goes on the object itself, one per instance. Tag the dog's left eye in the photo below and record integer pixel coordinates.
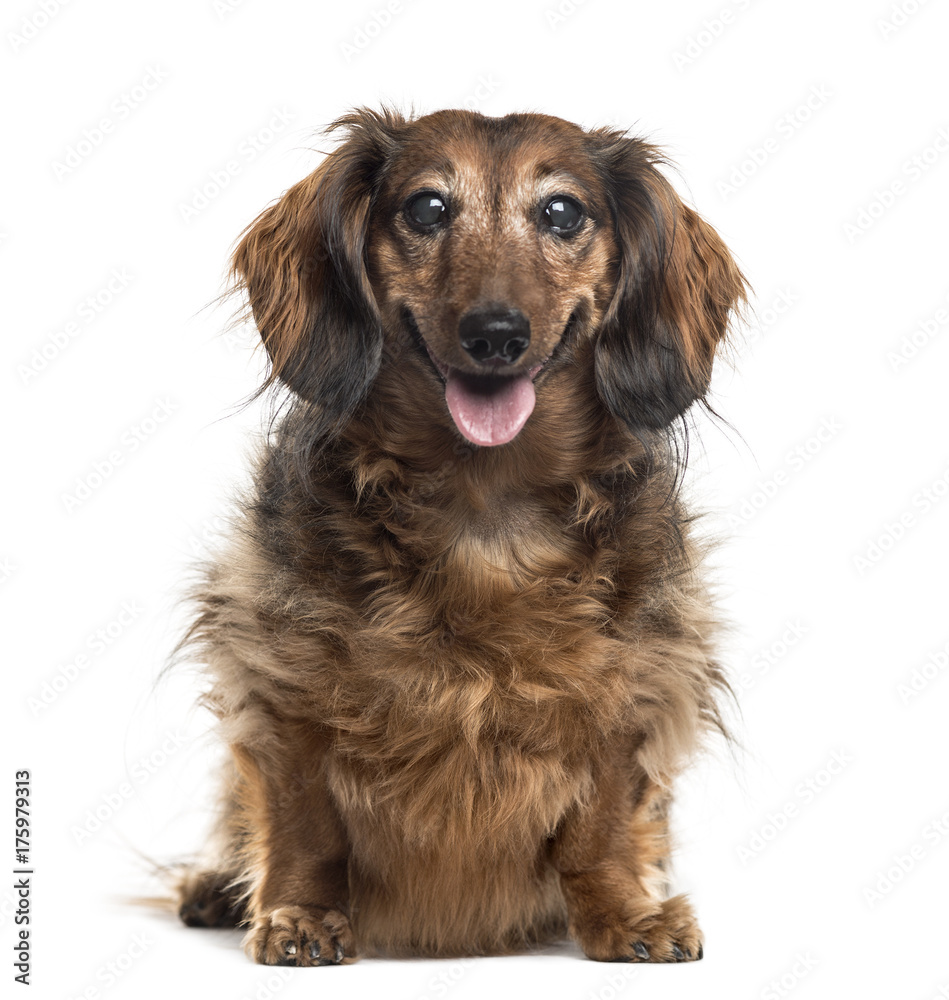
(426, 210)
(562, 214)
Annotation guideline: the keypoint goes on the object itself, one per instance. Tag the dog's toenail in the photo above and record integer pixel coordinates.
(641, 951)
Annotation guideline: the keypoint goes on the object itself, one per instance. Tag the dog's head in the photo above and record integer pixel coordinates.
(489, 243)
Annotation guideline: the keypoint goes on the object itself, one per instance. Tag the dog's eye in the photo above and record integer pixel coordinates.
(562, 214)
(426, 210)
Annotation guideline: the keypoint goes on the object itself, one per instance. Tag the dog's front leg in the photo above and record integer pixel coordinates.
(612, 856)
(296, 855)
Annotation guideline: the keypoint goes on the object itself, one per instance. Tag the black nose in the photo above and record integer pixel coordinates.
(495, 336)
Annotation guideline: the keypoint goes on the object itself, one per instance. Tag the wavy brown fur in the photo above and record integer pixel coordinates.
(458, 681)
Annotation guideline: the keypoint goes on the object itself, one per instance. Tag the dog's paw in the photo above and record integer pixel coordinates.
(302, 936)
(206, 899)
(671, 934)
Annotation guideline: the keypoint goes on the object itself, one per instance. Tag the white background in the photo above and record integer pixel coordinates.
(829, 492)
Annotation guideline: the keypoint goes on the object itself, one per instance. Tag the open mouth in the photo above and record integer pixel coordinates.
(487, 409)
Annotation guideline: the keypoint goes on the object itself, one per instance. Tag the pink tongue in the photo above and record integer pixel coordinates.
(489, 410)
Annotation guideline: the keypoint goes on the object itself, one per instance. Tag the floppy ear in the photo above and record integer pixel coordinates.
(676, 287)
(301, 264)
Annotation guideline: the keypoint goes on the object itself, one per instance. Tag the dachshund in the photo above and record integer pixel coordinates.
(458, 643)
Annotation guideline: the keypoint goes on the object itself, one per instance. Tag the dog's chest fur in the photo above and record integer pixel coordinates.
(478, 658)
(444, 643)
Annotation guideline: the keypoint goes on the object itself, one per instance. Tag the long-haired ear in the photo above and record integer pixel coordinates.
(301, 264)
(676, 288)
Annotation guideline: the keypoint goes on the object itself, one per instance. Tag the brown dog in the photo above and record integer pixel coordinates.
(457, 646)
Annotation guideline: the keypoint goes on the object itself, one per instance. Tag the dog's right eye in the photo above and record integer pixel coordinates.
(562, 215)
(426, 210)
